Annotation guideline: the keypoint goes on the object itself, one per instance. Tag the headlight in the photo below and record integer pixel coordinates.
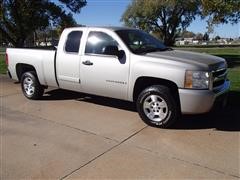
(197, 79)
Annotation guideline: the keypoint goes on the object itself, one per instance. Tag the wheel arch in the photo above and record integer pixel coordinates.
(21, 68)
(143, 82)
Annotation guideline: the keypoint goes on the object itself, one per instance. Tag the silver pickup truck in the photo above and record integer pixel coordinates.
(126, 64)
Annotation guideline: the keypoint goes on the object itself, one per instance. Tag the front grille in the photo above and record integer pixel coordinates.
(218, 83)
(219, 72)
(219, 77)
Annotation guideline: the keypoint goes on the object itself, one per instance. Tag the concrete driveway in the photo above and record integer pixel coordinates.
(70, 135)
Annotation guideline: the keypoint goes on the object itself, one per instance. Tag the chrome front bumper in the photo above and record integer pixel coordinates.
(201, 101)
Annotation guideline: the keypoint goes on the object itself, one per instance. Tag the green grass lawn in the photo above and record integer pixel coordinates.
(3, 67)
(217, 50)
(234, 76)
(230, 54)
(2, 49)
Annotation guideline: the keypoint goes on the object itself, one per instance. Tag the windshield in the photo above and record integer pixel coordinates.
(140, 42)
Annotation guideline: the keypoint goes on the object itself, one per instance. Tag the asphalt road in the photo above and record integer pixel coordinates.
(70, 135)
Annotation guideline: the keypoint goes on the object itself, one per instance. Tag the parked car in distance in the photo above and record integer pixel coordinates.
(126, 64)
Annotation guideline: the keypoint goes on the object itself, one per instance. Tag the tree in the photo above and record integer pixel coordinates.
(187, 34)
(221, 11)
(169, 17)
(199, 36)
(217, 38)
(206, 37)
(20, 19)
(165, 16)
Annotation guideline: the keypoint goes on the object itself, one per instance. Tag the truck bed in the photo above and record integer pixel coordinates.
(43, 60)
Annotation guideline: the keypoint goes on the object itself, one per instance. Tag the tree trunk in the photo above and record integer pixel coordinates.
(169, 40)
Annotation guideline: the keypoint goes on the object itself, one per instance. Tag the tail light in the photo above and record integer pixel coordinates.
(6, 59)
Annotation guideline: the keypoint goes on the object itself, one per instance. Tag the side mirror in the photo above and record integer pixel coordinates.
(111, 50)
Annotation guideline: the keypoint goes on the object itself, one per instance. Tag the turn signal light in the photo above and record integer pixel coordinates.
(188, 79)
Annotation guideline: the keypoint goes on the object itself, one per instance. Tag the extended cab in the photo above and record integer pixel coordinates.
(126, 64)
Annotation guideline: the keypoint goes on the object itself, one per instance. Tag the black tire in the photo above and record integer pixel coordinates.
(163, 104)
(33, 91)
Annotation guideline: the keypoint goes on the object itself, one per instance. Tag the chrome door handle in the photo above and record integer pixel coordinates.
(88, 63)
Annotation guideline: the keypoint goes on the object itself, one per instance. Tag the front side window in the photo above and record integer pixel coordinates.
(140, 42)
(97, 43)
(73, 42)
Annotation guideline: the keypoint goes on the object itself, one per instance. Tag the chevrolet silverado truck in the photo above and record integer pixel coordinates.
(126, 64)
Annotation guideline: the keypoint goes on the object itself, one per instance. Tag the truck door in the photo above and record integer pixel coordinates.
(68, 61)
(102, 72)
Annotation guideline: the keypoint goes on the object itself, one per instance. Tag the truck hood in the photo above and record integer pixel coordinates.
(191, 58)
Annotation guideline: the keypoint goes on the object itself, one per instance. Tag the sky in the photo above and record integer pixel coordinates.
(109, 12)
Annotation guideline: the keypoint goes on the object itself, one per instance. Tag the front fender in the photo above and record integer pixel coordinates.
(155, 70)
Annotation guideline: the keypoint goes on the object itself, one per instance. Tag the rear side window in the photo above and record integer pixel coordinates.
(73, 42)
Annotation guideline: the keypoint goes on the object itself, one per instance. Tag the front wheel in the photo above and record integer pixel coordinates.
(157, 107)
(31, 87)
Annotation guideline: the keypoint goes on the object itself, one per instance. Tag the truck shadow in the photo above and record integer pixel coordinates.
(227, 119)
(60, 94)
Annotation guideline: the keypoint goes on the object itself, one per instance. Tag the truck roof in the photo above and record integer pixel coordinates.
(113, 28)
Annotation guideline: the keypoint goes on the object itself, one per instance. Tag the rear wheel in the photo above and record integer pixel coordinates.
(31, 87)
(157, 107)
